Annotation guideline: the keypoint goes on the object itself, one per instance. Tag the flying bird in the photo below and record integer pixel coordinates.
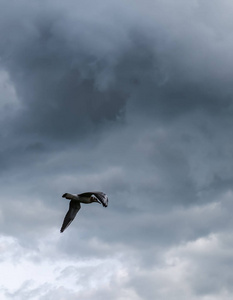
(75, 204)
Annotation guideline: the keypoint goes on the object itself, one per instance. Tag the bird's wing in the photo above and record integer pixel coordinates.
(73, 209)
(102, 197)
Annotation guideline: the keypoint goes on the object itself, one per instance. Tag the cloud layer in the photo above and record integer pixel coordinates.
(134, 99)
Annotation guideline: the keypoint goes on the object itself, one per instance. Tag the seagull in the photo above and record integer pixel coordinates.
(75, 205)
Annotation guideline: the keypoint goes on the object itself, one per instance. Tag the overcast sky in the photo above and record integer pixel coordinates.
(132, 98)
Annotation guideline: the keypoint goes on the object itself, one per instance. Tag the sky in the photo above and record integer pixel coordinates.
(132, 98)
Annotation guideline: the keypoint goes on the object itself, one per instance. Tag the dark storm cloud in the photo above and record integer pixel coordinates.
(71, 72)
(70, 75)
(132, 99)
(55, 75)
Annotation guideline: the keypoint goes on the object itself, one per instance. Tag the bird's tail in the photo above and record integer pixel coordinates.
(70, 196)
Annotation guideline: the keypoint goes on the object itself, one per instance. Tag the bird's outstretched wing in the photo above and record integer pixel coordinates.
(73, 209)
(102, 197)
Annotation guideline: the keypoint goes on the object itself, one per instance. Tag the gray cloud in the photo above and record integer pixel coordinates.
(132, 99)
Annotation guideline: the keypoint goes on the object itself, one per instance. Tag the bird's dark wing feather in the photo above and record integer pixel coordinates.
(73, 209)
(103, 198)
